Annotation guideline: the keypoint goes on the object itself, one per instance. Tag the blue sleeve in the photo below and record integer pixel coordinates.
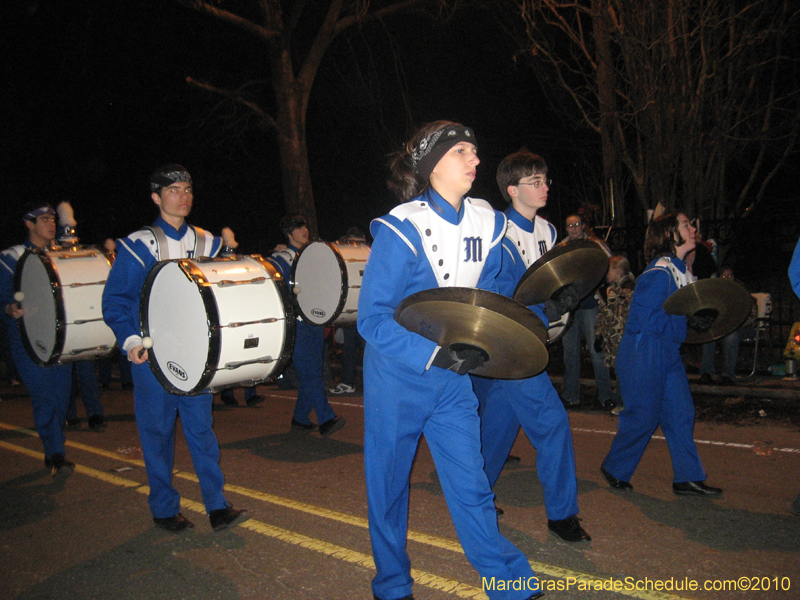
(794, 270)
(494, 261)
(123, 288)
(652, 289)
(282, 266)
(8, 265)
(389, 269)
(511, 272)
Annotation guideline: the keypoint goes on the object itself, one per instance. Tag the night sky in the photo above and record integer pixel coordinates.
(95, 98)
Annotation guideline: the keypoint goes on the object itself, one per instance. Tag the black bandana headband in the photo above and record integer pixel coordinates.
(431, 149)
(45, 209)
(175, 175)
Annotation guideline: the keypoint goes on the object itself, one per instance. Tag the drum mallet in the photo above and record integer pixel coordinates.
(147, 342)
(18, 298)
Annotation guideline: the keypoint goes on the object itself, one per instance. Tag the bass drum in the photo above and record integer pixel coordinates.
(216, 323)
(63, 320)
(326, 279)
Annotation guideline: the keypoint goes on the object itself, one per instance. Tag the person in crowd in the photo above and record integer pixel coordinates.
(794, 278)
(49, 387)
(156, 410)
(730, 350)
(585, 319)
(655, 387)
(614, 304)
(309, 344)
(531, 402)
(437, 237)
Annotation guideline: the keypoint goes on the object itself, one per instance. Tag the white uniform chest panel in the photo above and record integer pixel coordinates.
(531, 246)
(182, 248)
(681, 279)
(456, 252)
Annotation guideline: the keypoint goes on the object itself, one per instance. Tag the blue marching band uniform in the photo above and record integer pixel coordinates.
(307, 356)
(420, 245)
(533, 402)
(49, 387)
(155, 408)
(653, 378)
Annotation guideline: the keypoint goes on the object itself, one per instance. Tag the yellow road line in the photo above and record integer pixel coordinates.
(421, 577)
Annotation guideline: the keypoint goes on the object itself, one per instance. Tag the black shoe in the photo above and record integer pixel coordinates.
(512, 459)
(569, 529)
(97, 422)
(615, 483)
(706, 379)
(695, 488)
(332, 426)
(499, 511)
(305, 426)
(73, 423)
(571, 405)
(228, 400)
(175, 524)
(608, 405)
(127, 386)
(409, 597)
(255, 400)
(725, 380)
(223, 518)
(59, 465)
(536, 595)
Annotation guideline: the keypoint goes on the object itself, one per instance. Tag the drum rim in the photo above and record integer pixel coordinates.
(213, 332)
(344, 286)
(61, 315)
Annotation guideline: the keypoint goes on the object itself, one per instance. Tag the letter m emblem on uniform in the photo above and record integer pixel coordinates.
(473, 249)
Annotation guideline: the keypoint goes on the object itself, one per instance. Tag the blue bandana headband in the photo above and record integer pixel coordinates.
(432, 148)
(46, 209)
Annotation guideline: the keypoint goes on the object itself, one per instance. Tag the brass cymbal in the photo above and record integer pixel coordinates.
(510, 334)
(726, 299)
(580, 262)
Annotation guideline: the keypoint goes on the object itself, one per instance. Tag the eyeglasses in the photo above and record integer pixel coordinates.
(574, 225)
(538, 183)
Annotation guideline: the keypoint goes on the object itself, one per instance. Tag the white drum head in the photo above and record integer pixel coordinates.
(39, 323)
(178, 324)
(319, 280)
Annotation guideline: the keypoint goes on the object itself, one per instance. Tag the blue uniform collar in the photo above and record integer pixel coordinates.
(441, 206)
(170, 231)
(679, 264)
(515, 217)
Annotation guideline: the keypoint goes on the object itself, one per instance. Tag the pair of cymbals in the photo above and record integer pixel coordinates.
(508, 333)
(725, 300)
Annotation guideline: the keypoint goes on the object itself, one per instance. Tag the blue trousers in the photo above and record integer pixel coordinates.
(534, 404)
(156, 411)
(730, 354)
(49, 388)
(83, 370)
(656, 393)
(307, 357)
(584, 324)
(400, 406)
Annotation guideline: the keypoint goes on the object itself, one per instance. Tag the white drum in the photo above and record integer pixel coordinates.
(216, 322)
(326, 279)
(63, 320)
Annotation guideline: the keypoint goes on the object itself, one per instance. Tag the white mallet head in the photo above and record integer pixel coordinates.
(19, 296)
(147, 342)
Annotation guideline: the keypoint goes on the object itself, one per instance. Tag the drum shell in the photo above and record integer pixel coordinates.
(204, 316)
(326, 278)
(63, 320)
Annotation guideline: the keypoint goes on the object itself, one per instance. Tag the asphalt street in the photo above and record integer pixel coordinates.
(90, 535)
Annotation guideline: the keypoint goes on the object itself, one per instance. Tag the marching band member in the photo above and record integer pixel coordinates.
(309, 343)
(531, 402)
(650, 371)
(438, 237)
(49, 387)
(170, 237)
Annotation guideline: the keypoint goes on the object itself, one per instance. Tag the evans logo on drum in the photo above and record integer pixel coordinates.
(318, 312)
(177, 370)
